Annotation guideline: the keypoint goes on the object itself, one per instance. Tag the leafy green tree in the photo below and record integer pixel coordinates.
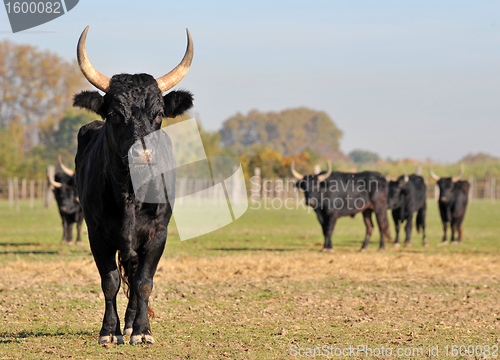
(288, 132)
(61, 138)
(35, 88)
(363, 156)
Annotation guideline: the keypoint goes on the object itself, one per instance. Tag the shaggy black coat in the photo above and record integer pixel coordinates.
(69, 207)
(346, 194)
(453, 199)
(117, 221)
(405, 199)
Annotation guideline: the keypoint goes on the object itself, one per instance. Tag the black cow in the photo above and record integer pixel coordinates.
(453, 199)
(336, 194)
(68, 204)
(117, 221)
(406, 196)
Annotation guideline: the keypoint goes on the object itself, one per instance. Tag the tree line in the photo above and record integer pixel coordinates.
(37, 123)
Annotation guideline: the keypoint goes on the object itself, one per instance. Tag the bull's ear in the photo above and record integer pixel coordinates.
(90, 100)
(177, 102)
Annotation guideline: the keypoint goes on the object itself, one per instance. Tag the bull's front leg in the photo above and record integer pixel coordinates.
(445, 229)
(79, 230)
(142, 286)
(396, 217)
(367, 217)
(110, 284)
(397, 225)
(65, 231)
(328, 226)
(408, 228)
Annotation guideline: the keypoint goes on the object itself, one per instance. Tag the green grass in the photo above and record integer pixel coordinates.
(256, 315)
(36, 233)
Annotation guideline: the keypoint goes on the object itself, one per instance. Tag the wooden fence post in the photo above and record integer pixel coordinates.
(32, 194)
(493, 189)
(11, 194)
(255, 186)
(23, 189)
(16, 193)
(472, 188)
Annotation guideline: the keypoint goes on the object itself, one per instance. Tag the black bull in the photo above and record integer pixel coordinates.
(407, 195)
(346, 194)
(453, 199)
(69, 207)
(117, 221)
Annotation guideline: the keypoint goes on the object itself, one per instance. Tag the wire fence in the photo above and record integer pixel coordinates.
(16, 189)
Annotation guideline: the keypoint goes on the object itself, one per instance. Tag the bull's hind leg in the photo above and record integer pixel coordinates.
(142, 285)
(105, 260)
(383, 225)
(456, 228)
(408, 229)
(367, 217)
(421, 224)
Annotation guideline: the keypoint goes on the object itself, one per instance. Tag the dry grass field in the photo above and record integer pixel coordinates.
(259, 289)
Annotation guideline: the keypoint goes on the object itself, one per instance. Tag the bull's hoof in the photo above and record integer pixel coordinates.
(327, 250)
(396, 245)
(111, 339)
(425, 243)
(142, 339)
(454, 242)
(104, 340)
(407, 244)
(127, 332)
(381, 248)
(79, 243)
(443, 243)
(362, 250)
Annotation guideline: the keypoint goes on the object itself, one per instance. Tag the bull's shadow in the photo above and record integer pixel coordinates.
(7, 337)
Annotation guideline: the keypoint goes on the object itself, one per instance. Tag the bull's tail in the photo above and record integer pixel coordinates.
(127, 270)
(419, 220)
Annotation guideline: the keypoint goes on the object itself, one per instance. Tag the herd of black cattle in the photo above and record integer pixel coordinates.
(120, 224)
(336, 194)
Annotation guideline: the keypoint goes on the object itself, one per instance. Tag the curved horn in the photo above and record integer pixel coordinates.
(406, 177)
(53, 182)
(168, 81)
(434, 176)
(91, 74)
(328, 173)
(295, 174)
(456, 178)
(66, 170)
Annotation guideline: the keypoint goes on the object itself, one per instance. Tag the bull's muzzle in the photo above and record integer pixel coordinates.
(142, 156)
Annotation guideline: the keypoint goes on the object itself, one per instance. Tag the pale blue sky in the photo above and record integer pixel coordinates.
(401, 78)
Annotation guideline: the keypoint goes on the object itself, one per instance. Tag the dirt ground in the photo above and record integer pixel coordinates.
(408, 267)
(260, 305)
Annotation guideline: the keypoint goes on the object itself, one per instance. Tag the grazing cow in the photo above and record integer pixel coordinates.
(407, 196)
(336, 194)
(117, 220)
(453, 198)
(68, 204)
